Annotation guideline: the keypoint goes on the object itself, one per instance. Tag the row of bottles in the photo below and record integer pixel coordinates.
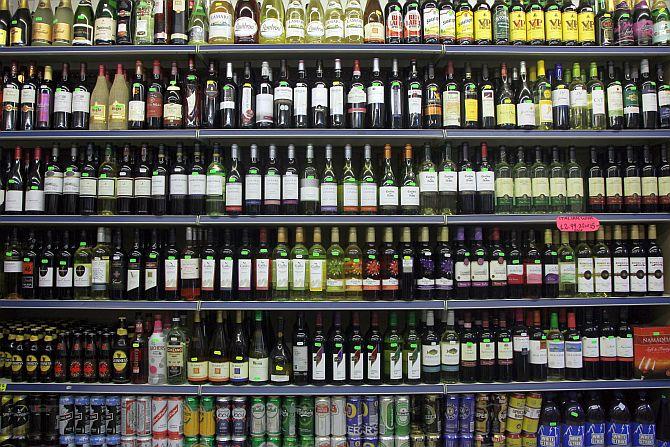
(206, 267)
(505, 97)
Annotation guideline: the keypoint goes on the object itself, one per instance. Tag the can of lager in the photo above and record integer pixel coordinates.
(288, 417)
(499, 413)
(257, 424)
(354, 416)
(402, 416)
(322, 416)
(223, 416)
(206, 417)
(338, 416)
(482, 422)
(273, 416)
(466, 414)
(191, 417)
(370, 408)
(175, 418)
(450, 413)
(431, 414)
(322, 441)
(239, 417)
(305, 412)
(338, 441)
(128, 416)
(143, 418)
(531, 414)
(386, 417)
(159, 416)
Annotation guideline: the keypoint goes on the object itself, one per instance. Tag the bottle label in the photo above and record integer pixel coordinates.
(46, 276)
(208, 268)
(158, 185)
(315, 29)
(538, 352)
(621, 273)
(428, 181)
(557, 188)
(569, 26)
(525, 113)
(244, 274)
(218, 372)
(239, 372)
(373, 362)
(561, 97)
(62, 101)
(245, 27)
(300, 357)
(258, 369)
(82, 275)
(214, 185)
(171, 274)
(467, 181)
(535, 25)
(504, 188)
(262, 274)
(264, 108)
(485, 181)
(451, 108)
(556, 354)
(409, 196)
(220, 25)
(226, 273)
(353, 27)
(336, 97)
(618, 434)
(105, 29)
(585, 275)
(394, 24)
(368, 196)
(465, 29)
(355, 363)
(295, 27)
(603, 274)
(607, 347)
(374, 32)
(573, 354)
(319, 364)
(549, 435)
(573, 435)
(350, 195)
(42, 32)
(272, 28)
(329, 197)
(289, 187)
(567, 272)
(430, 355)
(412, 21)
(515, 273)
(450, 353)
(190, 268)
(533, 273)
(124, 187)
(462, 272)
(448, 181)
(517, 31)
(316, 275)
(300, 99)
(624, 348)
(638, 274)
(521, 343)
(483, 24)
(136, 111)
(298, 271)
(35, 200)
(234, 196)
(388, 196)
(655, 281)
(553, 22)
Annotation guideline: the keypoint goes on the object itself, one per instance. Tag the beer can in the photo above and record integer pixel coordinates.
(128, 416)
(207, 441)
(402, 441)
(450, 414)
(128, 441)
(338, 441)
(97, 441)
(113, 415)
(175, 416)
(113, 440)
(239, 417)
(81, 421)
(66, 416)
(370, 442)
(466, 414)
(479, 439)
(159, 441)
(206, 418)
(465, 440)
(50, 419)
(290, 441)
(239, 441)
(387, 441)
(143, 427)
(499, 440)
(223, 416)
(175, 441)
(223, 441)
(6, 414)
(354, 416)
(159, 416)
(499, 413)
(338, 416)
(386, 416)
(370, 409)
(273, 416)
(258, 416)
(322, 416)
(82, 441)
(354, 441)
(482, 422)
(306, 441)
(515, 410)
(513, 440)
(66, 441)
(431, 414)
(531, 414)
(143, 441)
(417, 439)
(305, 412)
(191, 417)
(528, 439)
(35, 412)
(273, 441)
(433, 440)
(450, 440)
(257, 441)
(97, 416)
(402, 416)
(288, 417)
(191, 441)
(322, 441)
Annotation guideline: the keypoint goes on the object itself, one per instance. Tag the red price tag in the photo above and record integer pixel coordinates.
(577, 223)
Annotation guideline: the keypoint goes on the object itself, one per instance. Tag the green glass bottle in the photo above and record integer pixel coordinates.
(584, 255)
(42, 33)
(567, 268)
(579, 112)
(144, 23)
(215, 200)
(317, 267)
(198, 24)
(176, 348)
(335, 267)
(107, 174)
(280, 266)
(523, 191)
(411, 351)
(348, 188)
(596, 100)
(393, 354)
(82, 269)
(82, 28)
(539, 183)
(62, 24)
(259, 358)
(298, 270)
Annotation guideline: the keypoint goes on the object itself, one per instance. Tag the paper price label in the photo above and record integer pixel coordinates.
(577, 223)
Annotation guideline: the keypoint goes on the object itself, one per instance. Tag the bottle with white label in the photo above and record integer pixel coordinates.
(262, 267)
(655, 275)
(157, 354)
(573, 350)
(309, 184)
(638, 261)
(579, 112)
(607, 342)
(373, 352)
(649, 94)
(197, 183)
(392, 360)
(100, 266)
(412, 351)
(178, 183)
(259, 364)
(239, 352)
(349, 191)
(35, 184)
(596, 100)
(280, 266)
(428, 183)
(555, 350)
(602, 263)
(388, 186)
(170, 286)
(355, 351)
(82, 269)
(335, 288)
(584, 254)
(300, 351)
(318, 358)
(233, 184)
(283, 95)
(189, 268)
(316, 267)
(298, 267)
(430, 351)
(209, 267)
(264, 98)
(253, 183)
(409, 187)
(318, 104)
(538, 350)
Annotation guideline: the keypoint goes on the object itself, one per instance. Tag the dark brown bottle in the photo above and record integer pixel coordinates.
(192, 97)
(139, 360)
(120, 365)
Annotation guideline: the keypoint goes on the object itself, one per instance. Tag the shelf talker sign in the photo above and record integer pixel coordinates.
(577, 223)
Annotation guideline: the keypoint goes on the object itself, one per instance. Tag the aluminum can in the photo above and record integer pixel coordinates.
(354, 416)
(50, 419)
(257, 441)
(338, 416)
(6, 415)
(513, 440)
(450, 440)
(239, 417)
(128, 416)
(113, 440)
(498, 440)
(113, 415)
(273, 441)
(159, 416)
(239, 441)
(97, 441)
(402, 416)
(499, 413)
(206, 417)
(66, 441)
(387, 441)
(128, 441)
(401, 441)
(143, 441)
(338, 441)
(21, 415)
(288, 417)
(354, 441)
(417, 440)
(143, 416)
(175, 441)
(97, 416)
(322, 416)
(370, 409)
(190, 441)
(531, 414)
(273, 416)
(386, 416)
(191, 419)
(305, 412)
(290, 441)
(450, 413)
(322, 441)
(370, 442)
(82, 441)
(466, 414)
(515, 410)
(223, 416)
(258, 417)
(35, 413)
(65, 415)
(529, 439)
(465, 440)
(432, 440)
(175, 416)
(207, 441)
(159, 441)
(81, 419)
(223, 441)
(431, 414)
(306, 441)
(482, 421)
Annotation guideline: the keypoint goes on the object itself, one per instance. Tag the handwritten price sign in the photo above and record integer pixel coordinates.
(577, 223)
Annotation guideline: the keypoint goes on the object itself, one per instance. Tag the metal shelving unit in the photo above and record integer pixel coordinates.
(559, 302)
(538, 219)
(564, 385)
(576, 137)
(321, 220)
(98, 305)
(322, 305)
(319, 390)
(98, 388)
(319, 136)
(170, 135)
(116, 53)
(97, 220)
(551, 52)
(309, 52)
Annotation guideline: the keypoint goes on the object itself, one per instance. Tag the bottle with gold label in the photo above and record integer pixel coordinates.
(42, 24)
(117, 109)
(272, 22)
(552, 23)
(517, 23)
(500, 19)
(431, 21)
(295, 22)
(221, 14)
(505, 108)
(542, 99)
(586, 23)
(569, 24)
(374, 22)
(535, 23)
(483, 26)
(465, 29)
(62, 24)
(99, 98)
(5, 18)
(314, 18)
(470, 102)
(334, 22)
(447, 22)
(353, 22)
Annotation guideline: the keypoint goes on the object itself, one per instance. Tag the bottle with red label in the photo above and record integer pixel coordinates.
(394, 22)
(412, 26)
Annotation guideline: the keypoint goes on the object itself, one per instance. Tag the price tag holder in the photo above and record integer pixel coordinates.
(577, 223)
(3, 387)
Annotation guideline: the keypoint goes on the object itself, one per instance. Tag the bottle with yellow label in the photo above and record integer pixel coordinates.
(99, 98)
(505, 107)
(517, 23)
(586, 23)
(314, 18)
(569, 24)
(62, 26)
(535, 23)
(470, 111)
(553, 25)
(542, 98)
(5, 18)
(43, 18)
(21, 25)
(334, 22)
(221, 18)
(483, 25)
(117, 109)
(465, 29)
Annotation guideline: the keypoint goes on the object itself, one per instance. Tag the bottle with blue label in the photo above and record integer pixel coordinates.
(663, 423)
(594, 427)
(572, 429)
(644, 429)
(618, 426)
(549, 432)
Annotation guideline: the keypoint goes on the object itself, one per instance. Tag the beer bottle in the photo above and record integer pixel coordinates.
(76, 357)
(60, 365)
(104, 356)
(90, 367)
(46, 366)
(120, 354)
(32, 356)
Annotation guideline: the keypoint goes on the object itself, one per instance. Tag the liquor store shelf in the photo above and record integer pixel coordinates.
(98, 388)
(172, 135)
(551, 52)
(322, 136)
(320, 51)
(333, 305)
(546, 219)
(572, 137)
(318, 390)
(563, 385)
